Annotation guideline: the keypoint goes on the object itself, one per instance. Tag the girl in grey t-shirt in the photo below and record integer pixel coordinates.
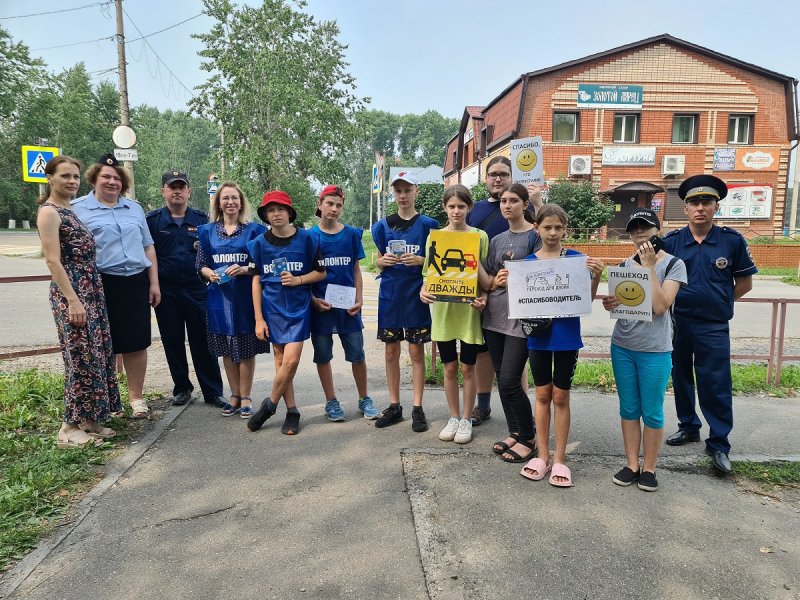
(641, 355)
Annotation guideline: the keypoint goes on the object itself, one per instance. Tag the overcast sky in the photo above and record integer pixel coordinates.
(410, 56)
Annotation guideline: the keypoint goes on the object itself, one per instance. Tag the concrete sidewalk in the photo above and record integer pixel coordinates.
(211, 510)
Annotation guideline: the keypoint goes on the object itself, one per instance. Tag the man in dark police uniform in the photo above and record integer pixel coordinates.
(183, 294)
(720, 271)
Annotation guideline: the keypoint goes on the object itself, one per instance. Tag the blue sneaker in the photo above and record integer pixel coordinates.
(366, 408)
(334, 411)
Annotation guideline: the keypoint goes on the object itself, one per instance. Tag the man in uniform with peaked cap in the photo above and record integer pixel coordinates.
(720, 271)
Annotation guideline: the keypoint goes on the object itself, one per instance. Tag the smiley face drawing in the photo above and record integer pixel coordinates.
(629, 293)
(526, 160)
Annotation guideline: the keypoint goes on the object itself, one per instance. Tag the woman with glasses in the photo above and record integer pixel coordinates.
(222, 261)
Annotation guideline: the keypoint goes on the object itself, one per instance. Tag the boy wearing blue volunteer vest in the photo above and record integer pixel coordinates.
(400, 240)
(341, 248)
(287, 260)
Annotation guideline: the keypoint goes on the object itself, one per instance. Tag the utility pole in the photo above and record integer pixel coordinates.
(123, 87)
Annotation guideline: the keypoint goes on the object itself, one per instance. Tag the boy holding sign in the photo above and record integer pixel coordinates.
(287, 260)
(339, 312)
(457, 319)
(400, 239)
(641, 351)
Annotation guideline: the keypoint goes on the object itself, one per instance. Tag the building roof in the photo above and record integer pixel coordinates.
(476, 112)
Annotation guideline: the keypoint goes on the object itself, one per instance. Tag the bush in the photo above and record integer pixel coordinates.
(585, 207)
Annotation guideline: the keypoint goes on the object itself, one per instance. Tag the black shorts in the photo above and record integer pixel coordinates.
(469, 352)
(413, 335)
(128, 302)
(553, 366)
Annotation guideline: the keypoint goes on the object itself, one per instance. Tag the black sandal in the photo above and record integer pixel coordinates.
(516, 458)
(291, 425)
(503, 447)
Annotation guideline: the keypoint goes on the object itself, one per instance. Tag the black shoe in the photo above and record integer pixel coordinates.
(479, 415)
(648, 481)
(182, 398)
(418, 421)
(720, 460)
(625, 476)
(255, 422)
(219, 402)
(681, 437)
(390, 416)
(291, 424)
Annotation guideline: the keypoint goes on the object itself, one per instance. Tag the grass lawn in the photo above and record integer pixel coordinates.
(39, 482)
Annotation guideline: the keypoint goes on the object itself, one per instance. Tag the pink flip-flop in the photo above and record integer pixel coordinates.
(560, 470)
(538, 465)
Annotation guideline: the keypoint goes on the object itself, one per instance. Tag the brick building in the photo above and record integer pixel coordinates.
(636, 120)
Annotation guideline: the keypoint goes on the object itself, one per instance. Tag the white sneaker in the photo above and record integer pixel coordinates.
(449, 432)
(464, 433)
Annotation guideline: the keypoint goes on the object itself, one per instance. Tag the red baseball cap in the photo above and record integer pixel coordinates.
(276, 197)
(329, 190)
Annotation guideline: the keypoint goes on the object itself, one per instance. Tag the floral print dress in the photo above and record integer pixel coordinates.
(90, 381)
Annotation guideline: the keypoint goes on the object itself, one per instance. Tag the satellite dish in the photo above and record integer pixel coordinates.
(124, 136)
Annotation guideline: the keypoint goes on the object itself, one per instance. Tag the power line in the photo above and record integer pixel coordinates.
(144, 39)
(102, 39)
(53, 12)
(162, 30)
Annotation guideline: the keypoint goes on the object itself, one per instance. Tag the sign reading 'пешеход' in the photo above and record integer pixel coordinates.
(591, 95)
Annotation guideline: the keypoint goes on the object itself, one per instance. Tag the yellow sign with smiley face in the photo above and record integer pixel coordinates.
(629, 293)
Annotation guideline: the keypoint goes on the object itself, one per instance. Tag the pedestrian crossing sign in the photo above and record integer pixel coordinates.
(34, 159)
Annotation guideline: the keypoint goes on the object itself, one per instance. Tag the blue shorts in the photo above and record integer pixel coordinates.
(353, 344)
(641, 379)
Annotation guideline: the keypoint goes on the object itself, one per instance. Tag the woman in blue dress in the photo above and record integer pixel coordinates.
(222, 260)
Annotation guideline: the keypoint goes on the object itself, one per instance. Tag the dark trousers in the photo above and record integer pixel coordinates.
(701, 359)
(509, 355)
(183, 311)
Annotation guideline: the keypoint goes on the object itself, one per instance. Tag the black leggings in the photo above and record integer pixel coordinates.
(509, 354)
(553, 366)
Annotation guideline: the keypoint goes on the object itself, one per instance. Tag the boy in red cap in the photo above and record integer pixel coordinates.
(341, 246)
(287, 261)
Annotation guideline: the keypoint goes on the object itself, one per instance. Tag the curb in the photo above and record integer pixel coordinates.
(118, 467)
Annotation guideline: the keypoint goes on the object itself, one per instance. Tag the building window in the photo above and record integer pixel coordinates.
(565, 127)
(683, 129)
(455, 159)
(626, 128)
(739, 129)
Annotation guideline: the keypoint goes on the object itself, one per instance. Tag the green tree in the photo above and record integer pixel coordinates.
(429, 202)
(586, 208)
(173, 140)
(280, 88)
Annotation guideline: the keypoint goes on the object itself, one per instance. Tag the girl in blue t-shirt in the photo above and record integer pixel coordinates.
(553, 357)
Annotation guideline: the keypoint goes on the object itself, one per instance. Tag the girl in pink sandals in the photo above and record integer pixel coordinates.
(553, 355)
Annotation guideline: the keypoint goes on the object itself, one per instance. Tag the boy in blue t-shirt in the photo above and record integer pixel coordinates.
(287, 262)
(341, 248)
(400, 239)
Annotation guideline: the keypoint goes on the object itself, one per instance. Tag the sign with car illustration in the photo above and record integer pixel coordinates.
(631, 287)
(451, 265)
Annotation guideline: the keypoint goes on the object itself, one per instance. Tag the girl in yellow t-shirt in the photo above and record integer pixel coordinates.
(457, 321)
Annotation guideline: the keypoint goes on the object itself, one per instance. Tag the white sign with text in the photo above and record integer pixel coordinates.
(552, 287)
(526, 160)
(632, 288)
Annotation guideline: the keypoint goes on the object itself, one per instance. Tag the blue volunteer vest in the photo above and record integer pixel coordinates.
(341, 252)
(229, 305)
(398, 296)
(287, 310)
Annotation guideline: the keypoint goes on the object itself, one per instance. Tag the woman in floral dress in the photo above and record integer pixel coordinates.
(79, 309)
